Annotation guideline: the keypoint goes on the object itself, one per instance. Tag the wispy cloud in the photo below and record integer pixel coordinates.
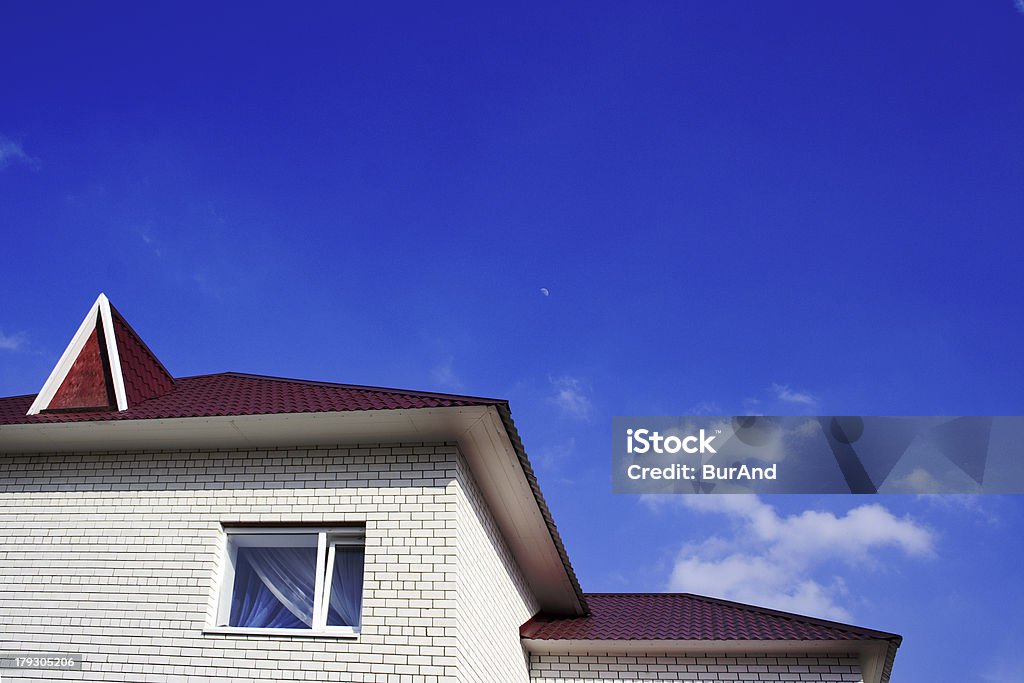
(781, 399)
(1004, 664)
(148, 237)
(12, 342)
(554, 455)
(921, 481)
(784, 393)
(705, 408)
(775, 560)
(571, 397)
(959, 503)
(445, 377)
(12, 153)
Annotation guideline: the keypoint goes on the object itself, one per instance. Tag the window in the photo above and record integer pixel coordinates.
(292, 581)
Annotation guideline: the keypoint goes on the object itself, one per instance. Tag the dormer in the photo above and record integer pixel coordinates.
(105, 367)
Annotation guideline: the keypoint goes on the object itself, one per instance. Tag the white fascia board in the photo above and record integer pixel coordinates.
(873, 659)
(682, 647)
(112, 355)
(242, 431)
(496, 469)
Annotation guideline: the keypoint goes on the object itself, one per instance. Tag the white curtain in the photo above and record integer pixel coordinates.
(346, 585)
(274, 587)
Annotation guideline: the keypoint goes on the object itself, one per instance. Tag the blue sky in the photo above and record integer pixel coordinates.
(733, 207)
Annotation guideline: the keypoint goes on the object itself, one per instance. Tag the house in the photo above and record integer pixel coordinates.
(234, 527)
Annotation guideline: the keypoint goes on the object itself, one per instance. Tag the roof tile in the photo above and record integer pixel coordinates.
(684, 616)
(144, 375)
(232, 394)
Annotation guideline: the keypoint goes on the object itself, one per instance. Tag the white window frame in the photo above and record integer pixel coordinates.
(326, 540)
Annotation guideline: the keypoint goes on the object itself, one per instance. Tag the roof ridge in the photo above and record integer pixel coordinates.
(758, 609)
(22, 396)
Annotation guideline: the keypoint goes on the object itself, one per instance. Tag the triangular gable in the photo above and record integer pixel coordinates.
(88, 383)
(106, 366)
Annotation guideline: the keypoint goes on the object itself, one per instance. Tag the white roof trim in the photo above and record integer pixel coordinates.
(112, 354)
(634, 647)
(60, 371)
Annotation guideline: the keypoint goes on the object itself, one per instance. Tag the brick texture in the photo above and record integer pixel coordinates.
(492, 598)
(705, 667)
(115, 555)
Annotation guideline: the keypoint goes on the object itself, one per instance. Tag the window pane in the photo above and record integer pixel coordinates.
(274, 585)
(346, 581)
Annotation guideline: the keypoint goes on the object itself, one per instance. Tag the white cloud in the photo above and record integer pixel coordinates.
(704, 408)
(760, 581)
(444, 375)
(12, 342)
(148, 237)
(12, 153)
(917, 481)
(784, 393)
(776, 561)
(781, 399)
(958, 503)
(571, 398)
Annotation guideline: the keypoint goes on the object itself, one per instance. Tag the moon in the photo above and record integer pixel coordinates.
(545, 291)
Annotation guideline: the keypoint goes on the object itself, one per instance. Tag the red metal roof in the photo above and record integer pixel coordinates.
(144, 375)
(233, 393)
(684, 616)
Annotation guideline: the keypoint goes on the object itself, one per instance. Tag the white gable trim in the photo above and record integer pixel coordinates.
(60, 371)
(112, 354)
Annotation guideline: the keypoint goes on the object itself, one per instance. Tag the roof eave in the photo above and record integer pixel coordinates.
(577, 645)
(484, 433)
(512, 433)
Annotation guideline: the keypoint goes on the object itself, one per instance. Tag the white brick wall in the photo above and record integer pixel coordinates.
(702, 667)
(114, 556)
(492, 597)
